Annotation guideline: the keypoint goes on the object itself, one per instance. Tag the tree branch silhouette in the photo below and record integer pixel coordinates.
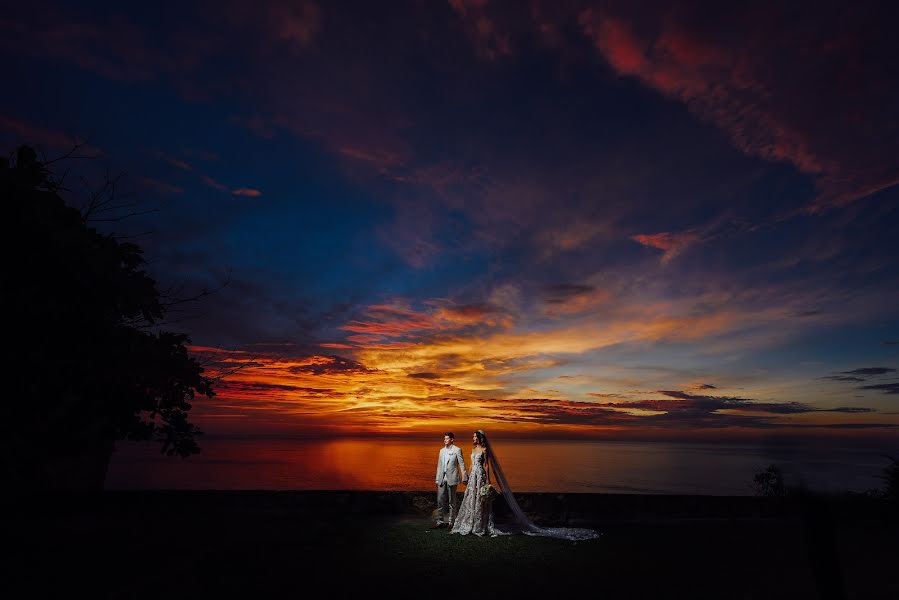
(93, 361)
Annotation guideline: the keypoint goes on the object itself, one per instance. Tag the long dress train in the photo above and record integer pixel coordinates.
(475, 515)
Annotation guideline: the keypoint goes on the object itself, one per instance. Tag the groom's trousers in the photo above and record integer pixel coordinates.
(446, 494)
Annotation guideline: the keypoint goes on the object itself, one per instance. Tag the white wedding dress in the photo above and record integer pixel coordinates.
(477, 517)
(475, 514)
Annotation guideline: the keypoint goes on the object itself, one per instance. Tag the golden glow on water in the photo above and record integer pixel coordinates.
(545, 466)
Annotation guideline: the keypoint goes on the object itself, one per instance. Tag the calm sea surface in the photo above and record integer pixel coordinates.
(539, 466)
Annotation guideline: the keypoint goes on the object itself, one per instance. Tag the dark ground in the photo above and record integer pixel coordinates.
(174, 545)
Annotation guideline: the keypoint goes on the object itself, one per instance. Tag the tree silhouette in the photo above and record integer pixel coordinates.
(891, 477)
(770, 482)
(85, 367)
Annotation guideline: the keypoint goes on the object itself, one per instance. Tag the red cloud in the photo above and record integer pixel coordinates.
(816, 95)
(474, 314)
(618, 43)
(364, 339)
(248, 192)
(389, 320)
(399, 320)
(672, 243)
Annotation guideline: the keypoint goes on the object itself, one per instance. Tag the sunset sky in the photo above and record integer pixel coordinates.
(610, 220)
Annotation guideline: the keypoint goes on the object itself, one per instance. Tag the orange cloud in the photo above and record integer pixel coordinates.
(398, 320)
(481, 360)
(484, 314)
(389, 320)
(333, 395)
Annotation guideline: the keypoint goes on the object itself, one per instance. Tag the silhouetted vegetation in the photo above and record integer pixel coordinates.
(770, 482)
(891, 477)
(88, 363)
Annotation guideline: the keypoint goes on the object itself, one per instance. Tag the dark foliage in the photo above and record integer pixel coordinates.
(770, 482)
(891, 479)
(88, 364)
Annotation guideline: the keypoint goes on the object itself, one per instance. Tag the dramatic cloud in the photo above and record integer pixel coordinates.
(341, 395)
(392, 321)
(769, 84)
(485, 314)
(688, 401)
(520, 213)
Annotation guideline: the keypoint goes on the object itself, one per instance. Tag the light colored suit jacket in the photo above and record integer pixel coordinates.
(455, 464)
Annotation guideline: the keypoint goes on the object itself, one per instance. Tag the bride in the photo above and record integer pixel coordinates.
(476, 511)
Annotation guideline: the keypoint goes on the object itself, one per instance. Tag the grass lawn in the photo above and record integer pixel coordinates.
(272, 553)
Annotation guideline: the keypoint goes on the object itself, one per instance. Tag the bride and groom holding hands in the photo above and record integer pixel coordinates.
(475, 513)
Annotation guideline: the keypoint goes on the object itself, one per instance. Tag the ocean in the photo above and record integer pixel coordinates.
(530, 466)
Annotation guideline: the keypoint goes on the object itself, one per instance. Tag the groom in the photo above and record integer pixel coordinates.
(449, 463)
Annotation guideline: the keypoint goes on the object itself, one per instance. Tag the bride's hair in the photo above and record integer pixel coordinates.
(482, 438)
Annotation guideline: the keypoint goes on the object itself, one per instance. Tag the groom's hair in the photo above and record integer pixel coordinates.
(450, 434)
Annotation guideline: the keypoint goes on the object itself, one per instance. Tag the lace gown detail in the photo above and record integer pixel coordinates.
(475, 516)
